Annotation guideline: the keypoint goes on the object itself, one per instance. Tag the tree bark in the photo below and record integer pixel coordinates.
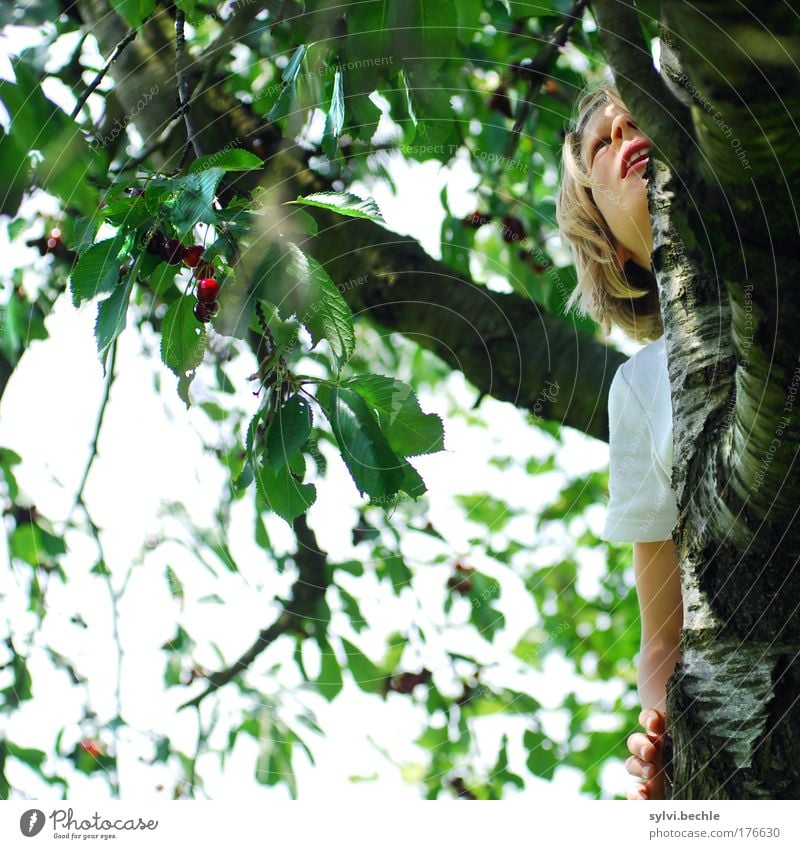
(725, 234)
(502, 343)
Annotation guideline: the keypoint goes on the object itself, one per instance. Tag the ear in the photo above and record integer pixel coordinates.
(623, 255)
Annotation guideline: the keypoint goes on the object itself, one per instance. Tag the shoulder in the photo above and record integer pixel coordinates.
(643, 381)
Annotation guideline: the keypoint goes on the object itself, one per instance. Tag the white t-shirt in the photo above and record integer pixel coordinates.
(642, 505)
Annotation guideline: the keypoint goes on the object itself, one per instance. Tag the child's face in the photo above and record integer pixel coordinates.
(611, 151)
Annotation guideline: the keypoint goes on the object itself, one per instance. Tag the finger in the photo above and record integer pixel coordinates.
(656, 723)
(654, 789)
(653, 720)
(636, 793)
(638, 743)
(639, 768)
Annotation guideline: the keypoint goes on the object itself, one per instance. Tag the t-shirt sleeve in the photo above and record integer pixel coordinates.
(642, 506)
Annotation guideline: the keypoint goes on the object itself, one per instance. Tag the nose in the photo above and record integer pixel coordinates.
(623, 129)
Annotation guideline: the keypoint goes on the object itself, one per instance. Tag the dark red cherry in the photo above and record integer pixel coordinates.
(205, 312)
(173, 252)
(192, 257)
(156, 243)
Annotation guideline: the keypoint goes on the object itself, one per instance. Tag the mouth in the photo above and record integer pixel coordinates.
(635, 157)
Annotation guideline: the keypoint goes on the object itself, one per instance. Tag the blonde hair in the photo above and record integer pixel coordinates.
(604, 292)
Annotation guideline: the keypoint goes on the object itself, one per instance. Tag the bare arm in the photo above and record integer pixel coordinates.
(658, 588)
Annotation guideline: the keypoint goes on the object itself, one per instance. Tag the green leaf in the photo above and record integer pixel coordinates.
(134, 11)
(372, 464)
(282, 493)
(97, 270)
(111, 315)
(408, 430)
(27, 544)
(288, 431)
(299, 285)
(235, 159)
(66, 160)
(195, 199)
(293, 65)
(542, 754)
(183, 338)
(329, 681)
(395, 645)
(369, 677)
(334, 120)
(328, 315)
(352, 610)
(343, 203)
(14, 173)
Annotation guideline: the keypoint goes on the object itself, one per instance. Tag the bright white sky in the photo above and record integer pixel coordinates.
(151, 452)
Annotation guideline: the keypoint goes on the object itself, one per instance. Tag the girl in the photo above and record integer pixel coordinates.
(602, 213)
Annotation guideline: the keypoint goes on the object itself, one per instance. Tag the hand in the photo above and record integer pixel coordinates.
(647, 761)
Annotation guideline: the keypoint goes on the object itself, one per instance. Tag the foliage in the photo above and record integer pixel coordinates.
(446, 77)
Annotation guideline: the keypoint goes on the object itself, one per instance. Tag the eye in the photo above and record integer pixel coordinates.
(603, 141)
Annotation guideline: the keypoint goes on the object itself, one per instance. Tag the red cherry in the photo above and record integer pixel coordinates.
(207, 290)
(91, 748)
(192, 257)
(205, 312)
(173, 252)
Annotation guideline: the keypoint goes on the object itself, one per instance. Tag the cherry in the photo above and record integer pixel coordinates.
(476, 219)
(173, 252)
(536, 267)
(462, 586)
(513, 229)
(134, 192)
(54, 239)
(205, 312)
(499, 101)
(156, 243)
(192, 257)
(207, 290)
(407, 681)
(91, 748)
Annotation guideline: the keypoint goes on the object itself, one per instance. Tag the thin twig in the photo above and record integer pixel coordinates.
(102, 72)
(236, 25)
(98, 426)
(183, 85)
(538, 71)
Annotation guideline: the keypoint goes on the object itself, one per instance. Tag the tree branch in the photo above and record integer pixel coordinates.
(307, 591)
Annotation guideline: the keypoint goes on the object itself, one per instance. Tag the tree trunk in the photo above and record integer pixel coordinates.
(725, 232)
